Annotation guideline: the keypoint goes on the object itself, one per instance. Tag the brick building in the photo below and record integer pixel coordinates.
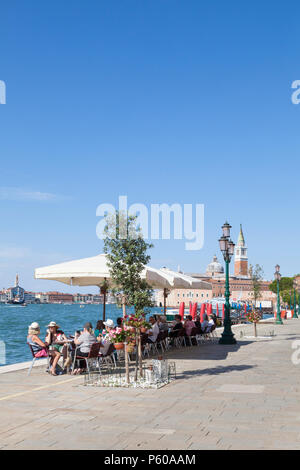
(55, 297)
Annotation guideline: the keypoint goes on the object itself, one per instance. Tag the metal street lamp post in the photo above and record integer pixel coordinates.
(277, 276)
(295, 287)
(227, 248)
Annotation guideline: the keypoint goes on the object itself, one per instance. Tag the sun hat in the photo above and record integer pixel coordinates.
(109, 323)
(34, 328)
(52, 323)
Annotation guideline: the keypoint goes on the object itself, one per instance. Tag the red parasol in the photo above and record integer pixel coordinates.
(202, 312)
(181, 310)
(194, 311)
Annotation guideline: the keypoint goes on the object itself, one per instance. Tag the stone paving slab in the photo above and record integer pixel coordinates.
(244, 396)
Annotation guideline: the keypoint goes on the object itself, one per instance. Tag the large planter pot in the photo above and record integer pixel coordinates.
(119, 345)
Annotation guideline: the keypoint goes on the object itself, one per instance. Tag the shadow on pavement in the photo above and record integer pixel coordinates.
(212, 351)
(214, 371)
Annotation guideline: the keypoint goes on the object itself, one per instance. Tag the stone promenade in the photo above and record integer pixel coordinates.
(245, 396)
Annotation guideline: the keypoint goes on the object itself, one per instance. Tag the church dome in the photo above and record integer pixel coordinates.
(215, 267)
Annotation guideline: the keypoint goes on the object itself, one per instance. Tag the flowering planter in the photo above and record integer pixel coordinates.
(119, 345)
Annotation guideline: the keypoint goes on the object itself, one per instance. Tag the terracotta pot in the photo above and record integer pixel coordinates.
(119, 345)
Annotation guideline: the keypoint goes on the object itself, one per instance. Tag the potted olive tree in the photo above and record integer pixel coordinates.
(126, 252)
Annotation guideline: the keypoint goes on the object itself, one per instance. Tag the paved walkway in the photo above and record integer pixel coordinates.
(225, 397)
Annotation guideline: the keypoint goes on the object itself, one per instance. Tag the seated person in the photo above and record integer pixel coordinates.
(55, 337)
(105, 342)
(197, 322)
(58, 340)
(189, 325)
(153, 332)
(176, 326)
(205, 324)
(211, 322)
(99, 328)
(163, 324)
(84, 341)
(40, 348)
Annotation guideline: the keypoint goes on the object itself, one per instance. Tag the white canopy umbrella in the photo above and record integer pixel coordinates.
(183, 281)
(94, 271)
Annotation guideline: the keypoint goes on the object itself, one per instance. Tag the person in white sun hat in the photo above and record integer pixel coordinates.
(109, 324)
(59, 342)
(105, 342)
(39, 347)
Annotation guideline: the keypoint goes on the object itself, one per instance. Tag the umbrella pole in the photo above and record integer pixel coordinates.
(104, 304)
(125, 350)
(165, 301)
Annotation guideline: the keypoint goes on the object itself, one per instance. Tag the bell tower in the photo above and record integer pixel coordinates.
(241, 256)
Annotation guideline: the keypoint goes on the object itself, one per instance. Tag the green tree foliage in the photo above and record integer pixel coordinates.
(256, 274)
(126, 252)
(285, 289)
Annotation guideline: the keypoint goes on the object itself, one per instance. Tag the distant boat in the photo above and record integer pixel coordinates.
(15, 304)
(16, 301)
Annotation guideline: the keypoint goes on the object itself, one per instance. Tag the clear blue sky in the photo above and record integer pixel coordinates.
(162, 101)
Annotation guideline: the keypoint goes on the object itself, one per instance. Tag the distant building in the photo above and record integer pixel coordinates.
(3, 296)
(176, 296)
(29, 297)
(16, 294)
(86, 298)
(59, 297)
(241, 288)
(241, 257)
(42, 298)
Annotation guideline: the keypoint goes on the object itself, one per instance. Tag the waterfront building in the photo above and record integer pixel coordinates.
(42, 297)
(110, 298)
(241, 288)
(15, 294)
(83, 298)
(29, 297)
(59, 297)
(3, 296)
(177, 296)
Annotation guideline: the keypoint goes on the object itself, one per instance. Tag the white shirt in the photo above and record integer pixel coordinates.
(155, 332)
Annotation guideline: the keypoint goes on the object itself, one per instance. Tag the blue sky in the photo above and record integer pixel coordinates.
(164, 101)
